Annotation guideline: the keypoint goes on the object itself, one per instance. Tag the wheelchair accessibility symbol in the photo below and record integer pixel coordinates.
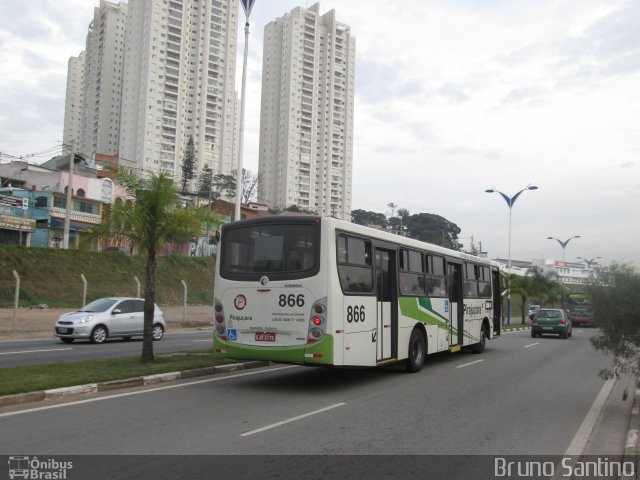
(446, 306)
(232, 335)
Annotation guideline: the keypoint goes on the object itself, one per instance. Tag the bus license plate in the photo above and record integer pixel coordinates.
(265, 337)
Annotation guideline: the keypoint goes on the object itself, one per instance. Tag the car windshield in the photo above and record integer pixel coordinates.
(549, 314)
(100, 305)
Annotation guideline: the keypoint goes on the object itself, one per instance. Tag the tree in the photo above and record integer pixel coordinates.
(224, 184)
(432, 228)
(612, 295)
(545, 288)
(250, 184)
(205, 182)
(365, 217)
(147, 223)
(188, 164)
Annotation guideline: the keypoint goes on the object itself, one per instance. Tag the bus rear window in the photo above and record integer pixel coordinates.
(279, 251)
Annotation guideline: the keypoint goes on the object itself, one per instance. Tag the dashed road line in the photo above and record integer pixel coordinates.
(292, 419)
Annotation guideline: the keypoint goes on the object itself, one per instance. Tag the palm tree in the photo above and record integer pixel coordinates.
(147, 222)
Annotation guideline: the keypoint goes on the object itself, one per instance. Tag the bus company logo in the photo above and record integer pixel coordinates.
(240, 302)
(36, 469)
(264, 281)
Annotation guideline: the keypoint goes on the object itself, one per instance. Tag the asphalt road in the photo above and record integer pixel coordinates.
(523, 396)
(32, 352)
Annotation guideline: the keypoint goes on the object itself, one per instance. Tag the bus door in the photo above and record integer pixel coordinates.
(456, 305)
(387, 299)
(497, 302)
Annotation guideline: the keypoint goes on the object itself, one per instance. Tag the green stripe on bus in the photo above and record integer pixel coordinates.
(410, 307)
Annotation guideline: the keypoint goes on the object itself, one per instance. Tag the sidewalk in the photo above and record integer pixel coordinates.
(37, 324)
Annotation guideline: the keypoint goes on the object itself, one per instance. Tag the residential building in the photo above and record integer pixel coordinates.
(178, 82)
(306, 118)
(33, 202)
(103, 68)
(74, 101)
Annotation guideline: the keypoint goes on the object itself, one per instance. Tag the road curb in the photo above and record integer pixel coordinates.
(57, 393)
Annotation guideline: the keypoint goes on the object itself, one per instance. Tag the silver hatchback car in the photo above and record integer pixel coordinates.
(107, 318)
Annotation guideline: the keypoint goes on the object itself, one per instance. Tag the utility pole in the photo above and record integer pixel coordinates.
(69, 206)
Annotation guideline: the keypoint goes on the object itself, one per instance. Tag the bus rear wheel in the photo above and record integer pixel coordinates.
(417, 352)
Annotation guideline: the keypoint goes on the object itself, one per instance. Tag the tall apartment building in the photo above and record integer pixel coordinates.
(103, 66)
(74, 101)
(179, 81)
(306, 119)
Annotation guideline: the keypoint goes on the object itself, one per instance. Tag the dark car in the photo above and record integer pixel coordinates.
(551, 320)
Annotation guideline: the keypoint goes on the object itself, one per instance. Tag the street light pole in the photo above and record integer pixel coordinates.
(247, 5)
(563, 244)
(589, 262)
(510, 202)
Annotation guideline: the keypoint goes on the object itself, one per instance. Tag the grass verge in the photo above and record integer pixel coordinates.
(34, 378)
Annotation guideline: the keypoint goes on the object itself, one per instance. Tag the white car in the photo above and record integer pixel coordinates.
(107, 318)
(532, 310)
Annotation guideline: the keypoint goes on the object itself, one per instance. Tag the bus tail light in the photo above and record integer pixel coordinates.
(317, 321)
(220, 326)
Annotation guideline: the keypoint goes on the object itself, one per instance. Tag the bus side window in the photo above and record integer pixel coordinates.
(355, 269)
(470, 280)
(411, 273)
(484, 285)
(436, 281)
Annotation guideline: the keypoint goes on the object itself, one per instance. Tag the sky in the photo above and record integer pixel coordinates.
(452, 97)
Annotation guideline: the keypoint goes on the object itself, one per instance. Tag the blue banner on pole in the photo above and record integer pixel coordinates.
(247, 5)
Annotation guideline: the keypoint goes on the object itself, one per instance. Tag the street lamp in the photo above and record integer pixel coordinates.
(589, 262)
(563, 244)
(247, 5)
(510, 201)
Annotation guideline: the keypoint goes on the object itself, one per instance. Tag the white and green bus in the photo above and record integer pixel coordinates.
(321, 291)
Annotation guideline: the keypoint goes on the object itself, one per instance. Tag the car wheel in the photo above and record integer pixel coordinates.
(67, 340)
(480, 346)
(565, 334)
(417, 351)
(99, 334)
(533, 334)
(158, 332)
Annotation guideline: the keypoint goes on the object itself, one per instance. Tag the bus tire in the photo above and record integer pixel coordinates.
(480, 346)
(417, 351)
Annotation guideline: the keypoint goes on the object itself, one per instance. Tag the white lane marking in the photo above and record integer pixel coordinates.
(470, 363)
(292, 419)
(531, 345)
(140, 392)
(584, 432)
(36, 351)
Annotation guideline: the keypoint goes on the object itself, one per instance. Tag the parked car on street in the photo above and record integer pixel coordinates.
(551, 320)
(107, 318)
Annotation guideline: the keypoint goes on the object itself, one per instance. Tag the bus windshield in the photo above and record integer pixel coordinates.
(281, 251)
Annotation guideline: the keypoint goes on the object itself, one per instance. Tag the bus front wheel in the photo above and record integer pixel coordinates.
(417, 351)
(480, 346)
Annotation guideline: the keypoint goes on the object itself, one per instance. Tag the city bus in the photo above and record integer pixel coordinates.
(321, 291)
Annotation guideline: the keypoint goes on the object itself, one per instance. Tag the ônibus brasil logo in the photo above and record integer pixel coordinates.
(240, 301)
(34, 468)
